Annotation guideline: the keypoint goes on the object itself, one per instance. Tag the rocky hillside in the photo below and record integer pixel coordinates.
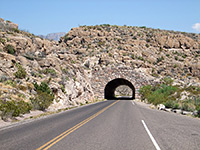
(166, 53)
(66, 67)
(26, 59)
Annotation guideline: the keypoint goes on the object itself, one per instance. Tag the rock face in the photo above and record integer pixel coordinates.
(79, 66)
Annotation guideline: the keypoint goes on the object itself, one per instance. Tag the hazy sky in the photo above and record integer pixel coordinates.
(49, 16)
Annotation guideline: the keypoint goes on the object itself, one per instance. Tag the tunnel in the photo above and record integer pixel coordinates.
(109, 91)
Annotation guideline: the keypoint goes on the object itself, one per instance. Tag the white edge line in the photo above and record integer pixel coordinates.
(132, 102)
(151, 136)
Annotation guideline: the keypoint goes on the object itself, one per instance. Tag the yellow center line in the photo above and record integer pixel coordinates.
(67, 132)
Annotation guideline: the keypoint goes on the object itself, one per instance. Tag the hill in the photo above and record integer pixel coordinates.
(76, 69)
(53, 36)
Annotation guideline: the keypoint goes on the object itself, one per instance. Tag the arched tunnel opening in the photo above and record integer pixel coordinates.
(119, 88)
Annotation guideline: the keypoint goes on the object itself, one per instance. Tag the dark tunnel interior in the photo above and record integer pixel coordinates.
(109, 91)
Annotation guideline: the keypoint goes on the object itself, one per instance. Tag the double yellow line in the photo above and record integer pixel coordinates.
(64, 134)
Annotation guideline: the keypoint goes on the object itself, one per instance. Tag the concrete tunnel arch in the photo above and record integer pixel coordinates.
(109, 91)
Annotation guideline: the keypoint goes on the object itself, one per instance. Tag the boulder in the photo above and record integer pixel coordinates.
(161, 107)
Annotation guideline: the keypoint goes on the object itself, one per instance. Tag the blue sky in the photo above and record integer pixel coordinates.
(50, 16)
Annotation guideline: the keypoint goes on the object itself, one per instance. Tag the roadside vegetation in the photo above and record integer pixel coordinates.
(170, 95)
(44, 96)
(11, 108)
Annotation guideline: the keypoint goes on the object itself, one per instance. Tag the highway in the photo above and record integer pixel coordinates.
(107, 125)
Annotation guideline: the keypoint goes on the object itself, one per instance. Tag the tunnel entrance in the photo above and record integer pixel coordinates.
(118, 89)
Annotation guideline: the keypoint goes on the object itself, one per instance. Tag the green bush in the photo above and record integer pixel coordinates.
(2, 41)
(15, 30)
(44, 96)
(193, 89)
(147, 45)
(43, 87)
(141, 58)
(63, 89)
(66, 38)
(167, 81)
(9, 49)
(10, 82)
(12, 108)
(24, 107)
(171, 104)
(49, 71)
(157, 94)
(160, 59)
(188, 105)
(156, 98)
(21, 73)
(145, 91)
(42, 101)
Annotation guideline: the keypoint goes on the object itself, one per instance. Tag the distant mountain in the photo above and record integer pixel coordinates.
(53, 36)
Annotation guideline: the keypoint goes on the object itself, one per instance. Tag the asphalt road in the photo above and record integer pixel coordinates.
(108, 125)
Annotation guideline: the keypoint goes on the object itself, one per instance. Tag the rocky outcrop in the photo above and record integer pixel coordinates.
(78, 67)
(6, 25)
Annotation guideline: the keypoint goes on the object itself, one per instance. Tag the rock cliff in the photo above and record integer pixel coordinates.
(86, 58)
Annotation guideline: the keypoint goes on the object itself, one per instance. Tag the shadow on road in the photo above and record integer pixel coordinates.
(122, 98)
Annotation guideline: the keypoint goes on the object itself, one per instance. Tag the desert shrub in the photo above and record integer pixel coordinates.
(141, 58)
(193, 89)
(12, 108)
(24, 107)
(9, 49)
(15, 30)
(133, 56)
(184, 55)
(171, 104)
(21, 73)
(148, 40)
(63, 88)
(43, 87)
(147, 45)
(145, 91)
(100, 43)
(156, 98)
(66, 38)
(44, 96)
(49, 71)
(42, 101)
(2, 41)
(157, 94)
(160, 59)
(167, 81)
(188, 105)
(10, 82)
(67, 78)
